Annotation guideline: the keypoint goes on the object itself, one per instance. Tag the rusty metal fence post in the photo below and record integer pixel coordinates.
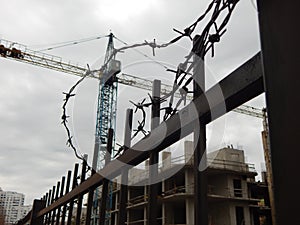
(104, 195)
(60, 195)
(153, 158)
(80, 198)
(63, 216)
(200, 177)
(74, 184)
(122, 216)
(37, 206)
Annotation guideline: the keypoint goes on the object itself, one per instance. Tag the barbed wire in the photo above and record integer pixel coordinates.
(64, 117)
(141, 124)
(202, 44)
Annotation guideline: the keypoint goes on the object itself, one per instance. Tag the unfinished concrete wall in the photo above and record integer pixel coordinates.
(218, 185)
(229, 154)
(166, 160)
(228, 159)
(219, 214)
(168, 214)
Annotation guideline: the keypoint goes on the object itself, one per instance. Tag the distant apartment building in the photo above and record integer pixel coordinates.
(234, 197)
(12, 205)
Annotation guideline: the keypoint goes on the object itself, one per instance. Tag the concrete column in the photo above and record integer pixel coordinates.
(189, 202)
(163, 213)
(232, 215)
(166, 160)
(189, 208)
(145, 215)
(188, 152)
(247, 215)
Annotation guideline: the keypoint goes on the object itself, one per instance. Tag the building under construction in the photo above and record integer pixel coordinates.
(234, 197)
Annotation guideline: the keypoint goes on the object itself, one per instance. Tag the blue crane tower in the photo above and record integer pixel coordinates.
(107, 103)
(106, 116)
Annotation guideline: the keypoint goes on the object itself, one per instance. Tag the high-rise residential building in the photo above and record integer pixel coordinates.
(12, 205)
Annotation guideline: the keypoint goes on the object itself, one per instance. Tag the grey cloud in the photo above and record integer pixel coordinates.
(32, 144)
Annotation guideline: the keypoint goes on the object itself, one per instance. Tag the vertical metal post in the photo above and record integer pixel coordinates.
(122, 218)
(200, 177)
(74, 184)
(89, 207)
(37, 206)
(279, 34)
(104, 193)
(60, 195)
(96, 152)
(46, 202)
(47, 198)
(51, 201)
(153, 159)
(63, 216)
(94, 203)
(79, 200)
(55, 198)
(47, 220)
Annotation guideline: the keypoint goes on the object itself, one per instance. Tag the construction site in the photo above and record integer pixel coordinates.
(163, 171)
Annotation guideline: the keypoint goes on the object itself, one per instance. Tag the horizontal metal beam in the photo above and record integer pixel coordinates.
(240, 86)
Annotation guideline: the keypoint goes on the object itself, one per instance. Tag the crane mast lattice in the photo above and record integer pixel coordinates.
(107, 104)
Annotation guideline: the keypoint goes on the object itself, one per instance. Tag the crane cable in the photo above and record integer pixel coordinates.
(68, 43)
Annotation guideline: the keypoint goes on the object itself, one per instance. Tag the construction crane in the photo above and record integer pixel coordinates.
(262, 114)
(107, 90)
(107, 96)
(56, 63)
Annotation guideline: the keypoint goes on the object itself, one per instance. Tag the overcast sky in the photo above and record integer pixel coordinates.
(32, 140)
